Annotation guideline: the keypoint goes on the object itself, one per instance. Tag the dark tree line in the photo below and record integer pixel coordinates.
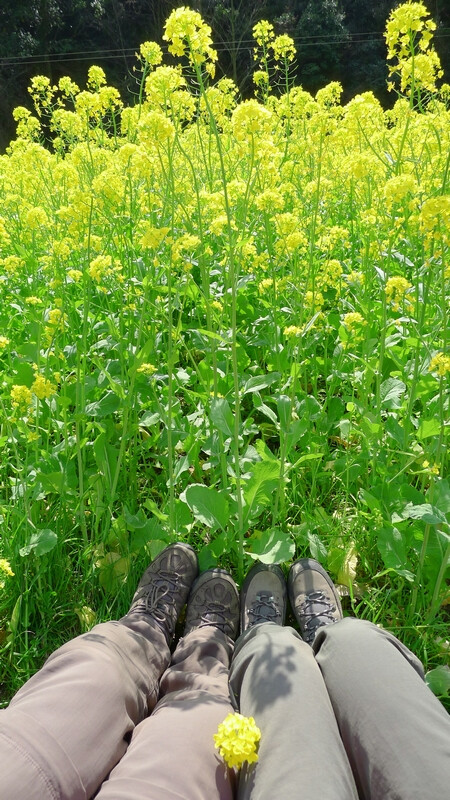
(335, 40)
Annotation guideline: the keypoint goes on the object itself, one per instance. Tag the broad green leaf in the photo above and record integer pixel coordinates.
(425, 512)
(438, 680)
(41, 542)
(271, 547)
(295, 432)
(391, 392)
(259, 382)
(222, 416)
(109, 403)
(207, 505)
(428, 427)
(392, 548)
(441, 496)
(259, 487)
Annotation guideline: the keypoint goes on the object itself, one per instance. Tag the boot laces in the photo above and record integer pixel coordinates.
(158, 600)
(216, 613)
(316, 609)
(263, 609)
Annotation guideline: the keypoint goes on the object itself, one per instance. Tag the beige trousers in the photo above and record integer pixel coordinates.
(82, 721)
(350, 718)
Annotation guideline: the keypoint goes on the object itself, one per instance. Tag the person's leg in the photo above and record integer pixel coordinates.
(70, 724)
(396, 733)
(171, 755)
(275, 679)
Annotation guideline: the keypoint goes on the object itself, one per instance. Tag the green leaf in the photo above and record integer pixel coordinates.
(284, 408)
(41, 542)
(427, 428)
(109, 403)
(426, 512)
(221, 416)
(295, 432)
(392, 548)
(271, 547)
(207, 505)
(438, 680)
(259, 487)
(441, 496)
(391, 392)
(259, 382)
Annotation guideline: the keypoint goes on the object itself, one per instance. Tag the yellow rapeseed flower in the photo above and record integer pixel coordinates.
(292, 331)
(147, 369)
(283, 48)
(42, 387)
(21, 396)
(353, 320)
(396, 289)
(440, 364)
(5, 567)
(236, 739)
(263, 32)
(4, 342)
(151, 53)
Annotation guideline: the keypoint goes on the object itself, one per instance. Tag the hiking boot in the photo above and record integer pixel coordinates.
(214, 600)
(164, 586)
(313, 597)
(263, 596)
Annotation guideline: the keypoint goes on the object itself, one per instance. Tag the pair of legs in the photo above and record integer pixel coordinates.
(348, 717)
(343, 709)
(113, 714)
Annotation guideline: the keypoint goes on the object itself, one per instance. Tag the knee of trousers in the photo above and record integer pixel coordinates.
(266, 650)
(344, 632)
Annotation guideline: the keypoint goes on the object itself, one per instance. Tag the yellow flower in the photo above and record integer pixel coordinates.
(21, 396)
(100, 267)
(151, 53)
(261, 77)
(189, 35)
(440, 364)
(283, 48)
(292, 331)
(153, 237)
(236, 740)
(42, 387)
(75, 275)
(263, 32)
(4, 342)
(96, 77)
(396, 289)
(147, 369)
(5, 567)
(353, 320)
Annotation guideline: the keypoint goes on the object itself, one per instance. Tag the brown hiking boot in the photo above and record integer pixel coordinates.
(214, 600)
(313, 597)
(164, 586)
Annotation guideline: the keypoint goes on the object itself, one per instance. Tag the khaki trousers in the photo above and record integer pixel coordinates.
(350, 717)
(82, 721)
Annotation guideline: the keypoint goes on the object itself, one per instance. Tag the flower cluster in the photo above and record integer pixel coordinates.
(236, 739)
(190, 36)
(440, 364)
(408, 36)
